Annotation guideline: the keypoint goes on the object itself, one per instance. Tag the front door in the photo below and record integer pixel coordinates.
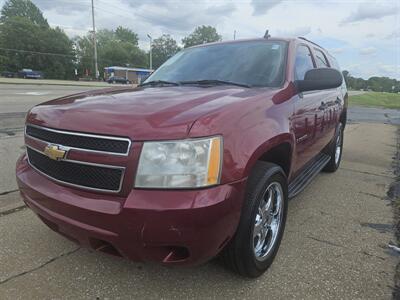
(307, 112)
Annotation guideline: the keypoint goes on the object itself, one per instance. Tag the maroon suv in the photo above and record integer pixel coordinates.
(200, 159)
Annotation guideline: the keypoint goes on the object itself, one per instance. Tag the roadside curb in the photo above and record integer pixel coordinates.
(12, 209)
(10, 202)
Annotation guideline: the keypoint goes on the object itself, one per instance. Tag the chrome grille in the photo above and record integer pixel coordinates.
(82, 141)
(91, 176)
(77, 173)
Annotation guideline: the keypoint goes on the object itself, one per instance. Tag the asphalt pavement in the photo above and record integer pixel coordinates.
(20, 98)
(373, 115)
(335, 245)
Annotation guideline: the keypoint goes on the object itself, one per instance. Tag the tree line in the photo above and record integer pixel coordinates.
(375, 83)
(28, 41)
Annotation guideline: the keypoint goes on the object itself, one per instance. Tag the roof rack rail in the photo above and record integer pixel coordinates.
(303, 38)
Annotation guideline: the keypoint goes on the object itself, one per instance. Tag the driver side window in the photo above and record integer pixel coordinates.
(303, 63)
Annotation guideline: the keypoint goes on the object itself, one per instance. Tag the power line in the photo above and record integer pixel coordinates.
(52, 54)
(102, 60)
(117, 7)
(37, 52)
(125, 15)
(98, 8)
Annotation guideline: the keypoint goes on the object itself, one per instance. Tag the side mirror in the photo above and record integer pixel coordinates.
(320, 79)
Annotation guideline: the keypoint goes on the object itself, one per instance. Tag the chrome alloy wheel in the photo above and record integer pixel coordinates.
(268, 221)
(338, 148)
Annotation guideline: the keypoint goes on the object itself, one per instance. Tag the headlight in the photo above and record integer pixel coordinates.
(180, 164)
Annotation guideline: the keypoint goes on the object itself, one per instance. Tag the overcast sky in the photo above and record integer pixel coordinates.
(363, 35)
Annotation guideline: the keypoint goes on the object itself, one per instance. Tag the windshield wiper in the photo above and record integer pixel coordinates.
(214, 82)
(158, 83)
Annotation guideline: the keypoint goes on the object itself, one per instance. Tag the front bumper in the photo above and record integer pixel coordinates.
(168, 226)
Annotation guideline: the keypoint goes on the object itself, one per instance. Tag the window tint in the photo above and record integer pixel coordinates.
(335, 65)
(303, 62)
(320, 59)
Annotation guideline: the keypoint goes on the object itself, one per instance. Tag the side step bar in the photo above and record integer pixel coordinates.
(307, 175)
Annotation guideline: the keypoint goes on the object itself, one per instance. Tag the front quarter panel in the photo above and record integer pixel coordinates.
(249, 129)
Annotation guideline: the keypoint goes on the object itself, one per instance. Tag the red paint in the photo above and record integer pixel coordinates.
(145, 224)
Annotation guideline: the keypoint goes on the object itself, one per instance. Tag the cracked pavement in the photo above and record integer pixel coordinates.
(335, 245)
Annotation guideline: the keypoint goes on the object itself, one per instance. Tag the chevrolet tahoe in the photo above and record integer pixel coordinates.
(199, 160)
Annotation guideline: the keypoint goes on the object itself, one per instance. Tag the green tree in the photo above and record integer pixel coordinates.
(382, 84)
(201, 35)
(60, 66)
(126, 35)
(104, 37)
(27, 34)
(25, 9)
(163, 48)
(376, 84)
(114, 48)
(34, 44)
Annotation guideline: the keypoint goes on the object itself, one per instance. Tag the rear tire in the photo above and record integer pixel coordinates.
(256, 241)
(335, 151)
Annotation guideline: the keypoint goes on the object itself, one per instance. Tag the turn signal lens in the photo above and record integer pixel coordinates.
(214, 164)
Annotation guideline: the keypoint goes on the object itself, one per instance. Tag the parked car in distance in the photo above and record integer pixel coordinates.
(7, 74)
(30, 74)
(199, 160)
(116, 79)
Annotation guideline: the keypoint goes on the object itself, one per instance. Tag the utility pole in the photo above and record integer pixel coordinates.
(96, 67)
(151, 54)
(234, 34)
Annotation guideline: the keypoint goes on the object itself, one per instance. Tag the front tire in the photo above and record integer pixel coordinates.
(335, 151)
(256, 242)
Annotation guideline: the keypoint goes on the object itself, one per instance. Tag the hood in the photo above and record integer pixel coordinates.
(140, 114)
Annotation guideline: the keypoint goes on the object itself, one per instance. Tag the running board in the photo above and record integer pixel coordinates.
(307, 175)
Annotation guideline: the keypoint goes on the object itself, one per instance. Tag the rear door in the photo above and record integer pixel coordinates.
(328, 102)
(341, 91)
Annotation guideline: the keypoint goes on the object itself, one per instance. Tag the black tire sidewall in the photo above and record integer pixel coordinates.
(339, 131)
(341, 144)
(332, 166)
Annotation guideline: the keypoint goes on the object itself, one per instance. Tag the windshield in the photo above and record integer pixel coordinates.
(257, 63)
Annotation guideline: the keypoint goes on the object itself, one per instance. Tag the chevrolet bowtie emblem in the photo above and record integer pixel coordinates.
(55, 152)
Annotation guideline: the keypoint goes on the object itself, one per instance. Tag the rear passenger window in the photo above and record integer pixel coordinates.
(303, 62)
(320, 59)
